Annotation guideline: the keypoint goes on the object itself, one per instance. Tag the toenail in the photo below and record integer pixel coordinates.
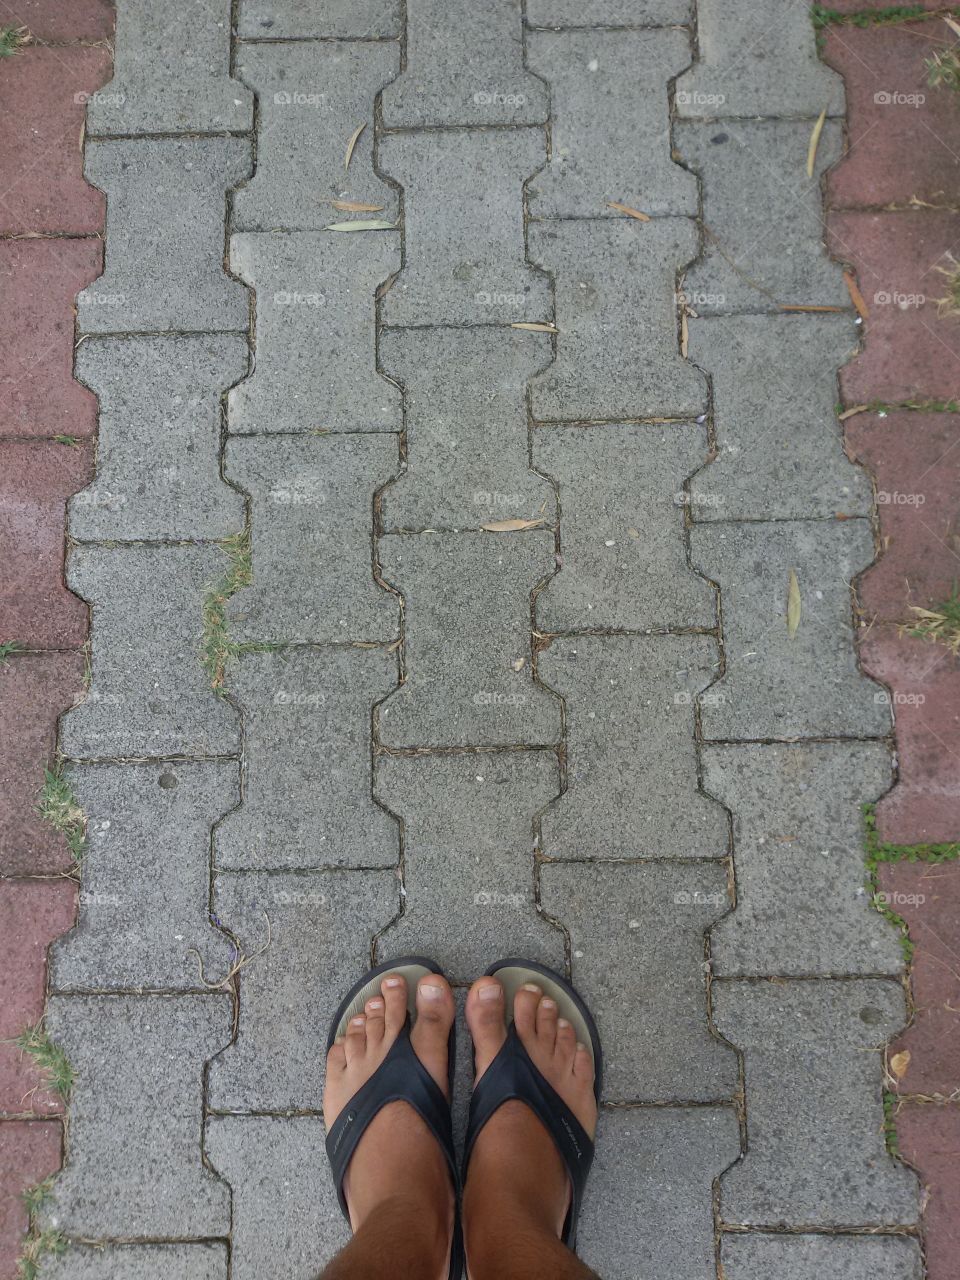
(548, 1004)
(562, 1023)
(582, 1046)
(357, 1022)
(393, 982)
(490, 991)
(431, 992)
(375, 1004)
(531, 986)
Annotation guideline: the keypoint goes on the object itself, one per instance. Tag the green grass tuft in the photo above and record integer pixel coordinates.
(47, 1057)
(38, 1197)
(943, 70)
(9, 647)
(824, 17)
(37, 1246)
(12, 40)
(72, 441)
(58, 806)
(940, 625)
(216, 648)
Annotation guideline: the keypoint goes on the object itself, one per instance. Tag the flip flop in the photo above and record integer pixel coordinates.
(400, 1077)
(513, 1076)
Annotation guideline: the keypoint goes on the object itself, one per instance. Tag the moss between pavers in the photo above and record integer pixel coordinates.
(824, 17)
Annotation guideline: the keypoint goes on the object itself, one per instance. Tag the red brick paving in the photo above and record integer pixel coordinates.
(930, 1140)
(915, 459)
(30, 1150)
(902, 132)
(60, 19)
(911, 351)
(34, 689)
(36, 608)
(861, 6)
(32, 914)
(39, 280)
(42, 105)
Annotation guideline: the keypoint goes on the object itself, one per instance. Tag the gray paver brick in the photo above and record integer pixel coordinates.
(780, 448)
(622, 537)
(763, 214)
(798, 850)
(171, 76)
(636, 934)
(610, 125)
(315, 363)
(775, 685)
(618, 349)
(312, 97)
(146, 878)
(757, 63)
(321, 926)
(150, 696)
(632, 765)
(468, 857)
(647, 1210)
(133, 1167)
(312, 538)
(140, 1262)
(158, 446)
(306, 771)
(465, 66)
(166, 206)
(301, 19)
(467, 449)
(463, 221)
(612, 13)
(813, 1073)
(827, 1257)
(281, 1181)
(467, 645)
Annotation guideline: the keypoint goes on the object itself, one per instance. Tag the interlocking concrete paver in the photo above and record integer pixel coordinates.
(34, 689)
(902, 131)
(910, 351)
(279, 1183)
(29, 1152)
(134, 1168)
(36, 610)
(468, 857)
(141, 1262)
(652, 1177)
(166, 205)
(61, 19)
(915, 458)
(612, 13)
(150, 696)
(171, 77)
(144, 917)
(616, 296)
(466, 439)
(757, 63)
(754, 1256)
(312, 97)
(776, 684)
(929, 1138)
(610, 107)
(802, 907)
(465, 67)
(42, 96)
(812, 1060)
(314, 493)
(303, 19)
(319, 926)
(762, 214)
(315, 335)
(632, 766)
(38, 394)
(32, 914)
(463, 224)
(479, 692)
(924, 680)
(927, 896)
(158, 472)
(306, 720)
(624, 554)
(779, 448)
(636, 933)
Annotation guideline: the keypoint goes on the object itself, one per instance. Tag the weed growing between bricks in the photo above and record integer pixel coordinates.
(57, 805)
(39, 1243)
(216, 648)
(9, 647)
(940, 625)
(48, 1058)
(12, 39)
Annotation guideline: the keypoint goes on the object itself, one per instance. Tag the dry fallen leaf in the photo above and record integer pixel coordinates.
(534, 328)
(793, 604)
(853, 411)
(631, 213)
(899, 1063)
(684, 334)
(354, 206)
(815, 141)
(352, 143)
(954, 27)
(789, 307)
(360, 225)
(518, 665)
(856, 297)
(510, 526)
(634, 533)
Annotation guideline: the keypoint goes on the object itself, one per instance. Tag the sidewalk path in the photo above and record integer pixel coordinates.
(475, 582)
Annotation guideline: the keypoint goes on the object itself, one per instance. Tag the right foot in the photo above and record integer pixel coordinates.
(513, 1152)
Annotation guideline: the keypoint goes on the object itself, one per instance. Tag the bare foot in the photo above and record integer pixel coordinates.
(514, 1158)
(398, 1158)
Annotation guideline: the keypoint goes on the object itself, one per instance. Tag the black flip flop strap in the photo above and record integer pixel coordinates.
(401, 1077)
(513, 1076)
